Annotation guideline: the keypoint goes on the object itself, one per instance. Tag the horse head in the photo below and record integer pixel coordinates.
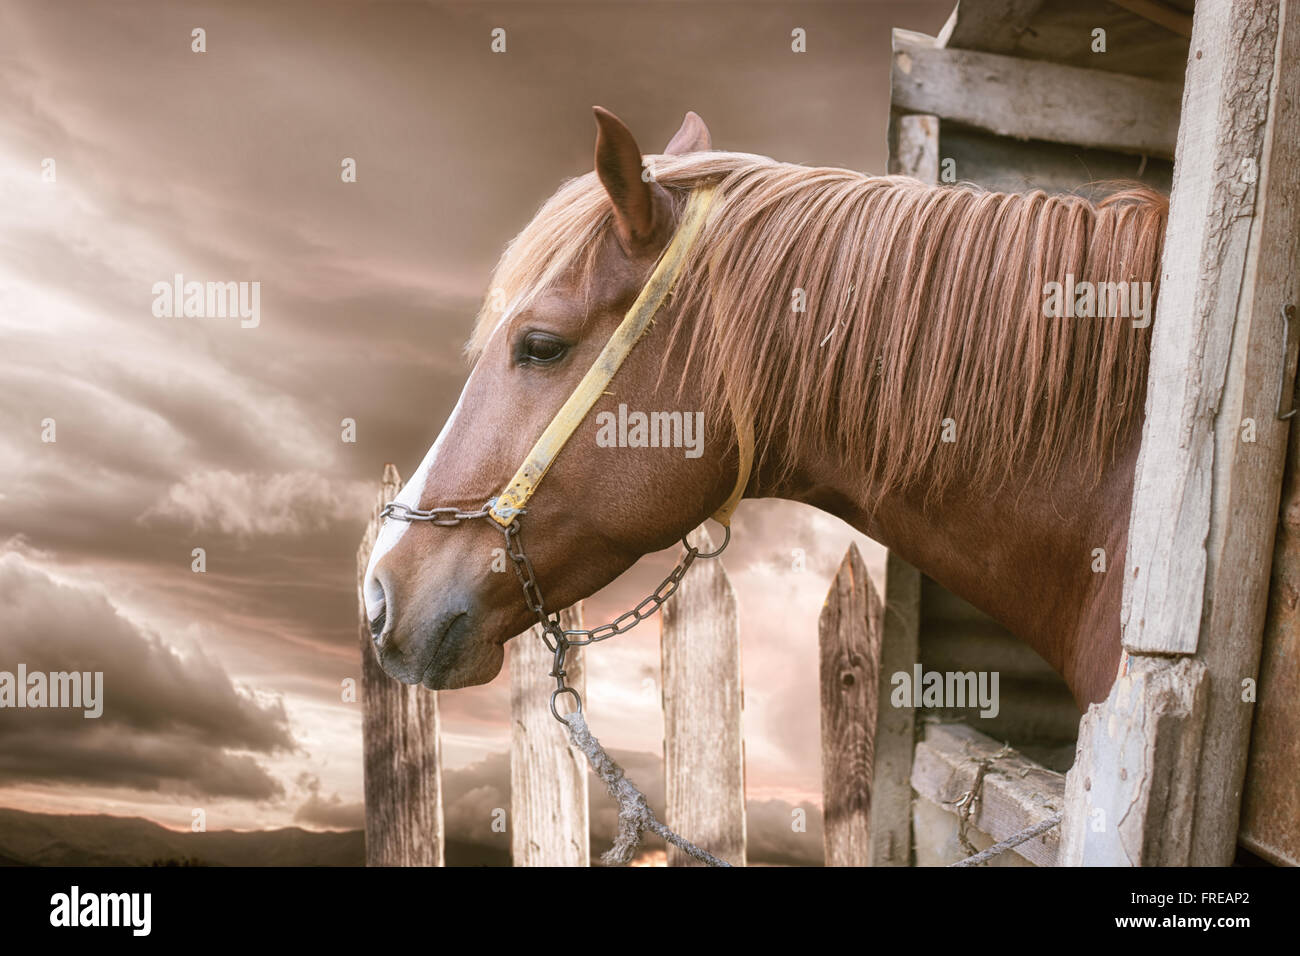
(639, 467)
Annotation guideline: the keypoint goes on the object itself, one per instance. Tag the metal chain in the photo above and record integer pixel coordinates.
(446, 517)
(557, 639)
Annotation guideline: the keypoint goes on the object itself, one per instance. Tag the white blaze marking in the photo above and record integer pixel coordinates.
(391, 531)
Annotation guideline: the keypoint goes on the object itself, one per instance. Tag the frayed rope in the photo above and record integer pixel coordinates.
(634, 814)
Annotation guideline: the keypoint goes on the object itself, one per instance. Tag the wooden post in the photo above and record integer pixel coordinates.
(891, 786)
(1205, 495)
(918, 147)
(1270, 811)
(849, 635)
(548, 778)
(914, 151)
(402, 752)
(990, 26)
(704, 752)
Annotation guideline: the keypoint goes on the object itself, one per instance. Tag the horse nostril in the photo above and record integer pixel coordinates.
(377, 625)
(376, 597)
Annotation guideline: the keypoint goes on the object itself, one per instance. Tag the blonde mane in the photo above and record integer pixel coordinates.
(861, 313)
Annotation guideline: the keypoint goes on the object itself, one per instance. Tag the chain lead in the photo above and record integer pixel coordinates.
(557, 639)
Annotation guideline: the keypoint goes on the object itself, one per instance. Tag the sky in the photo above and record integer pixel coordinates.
(127, 158)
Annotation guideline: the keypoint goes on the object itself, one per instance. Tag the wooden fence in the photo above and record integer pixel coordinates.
(867, 746)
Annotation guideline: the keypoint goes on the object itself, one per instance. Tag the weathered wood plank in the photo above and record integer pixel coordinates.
(1130, 797)
(1270, 810)
(1014, 793)
(549, 822)
(917, 154)
(849, 632)
(989, 26)
(400, 742)
(1248, 476)
(1160, 13)
(704, 752)
(1205, 501)
(1030, 99)
(1009, 165)
(1201, 312)
(940, 840)
(891, 790)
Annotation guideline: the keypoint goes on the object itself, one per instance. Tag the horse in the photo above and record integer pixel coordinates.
(877, 347)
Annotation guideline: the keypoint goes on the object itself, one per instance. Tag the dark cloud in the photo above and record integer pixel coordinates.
(168, 723)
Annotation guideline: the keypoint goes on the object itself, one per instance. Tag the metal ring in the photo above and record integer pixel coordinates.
(712, 554)
(565, 690)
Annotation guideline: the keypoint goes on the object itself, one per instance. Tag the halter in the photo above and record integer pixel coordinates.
(506, 508)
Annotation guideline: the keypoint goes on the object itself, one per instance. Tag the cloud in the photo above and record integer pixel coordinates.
(331, 813)
(170, 722)
(249, 504)
(472, 795)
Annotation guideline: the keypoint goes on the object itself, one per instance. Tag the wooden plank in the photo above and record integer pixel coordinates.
(548, 777)
(1248, 476)
(401, 749)
(917, 154)
(1014, 792)
(1159, 13)
(1030, 99)
(990, 26)
(1270, 810)
(1205, 502)
(702, 699)
(1131, 794)
(1008, 165)
(941, 840)
(891, 790)
(849, 634)
(1204, 307)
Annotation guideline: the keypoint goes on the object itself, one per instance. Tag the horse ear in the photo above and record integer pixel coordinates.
(639, 214)
(693, 137)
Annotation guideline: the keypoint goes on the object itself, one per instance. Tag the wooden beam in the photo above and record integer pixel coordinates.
(1014, 793)
(548, 778)
(1031, 99)
(1007, 165)
(1209, 321)
(1205, 500)
(1270, 809)
(990, 26)
(704, 750)
(1131, 794)
(849, 635)
(891, 789)
(1161, 14)
(401, 750)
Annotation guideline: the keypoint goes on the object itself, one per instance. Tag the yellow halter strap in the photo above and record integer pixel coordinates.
(543, 454)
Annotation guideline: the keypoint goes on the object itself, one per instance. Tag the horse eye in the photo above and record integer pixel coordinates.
(541, 348)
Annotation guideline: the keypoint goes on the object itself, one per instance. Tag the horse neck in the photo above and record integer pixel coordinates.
(1024, 555)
